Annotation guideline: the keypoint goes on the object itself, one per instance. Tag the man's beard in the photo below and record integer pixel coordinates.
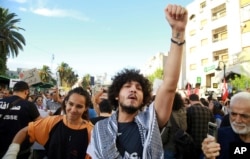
(130, 109)
(243, 131)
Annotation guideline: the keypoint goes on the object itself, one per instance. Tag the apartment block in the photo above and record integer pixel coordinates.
(217, 34)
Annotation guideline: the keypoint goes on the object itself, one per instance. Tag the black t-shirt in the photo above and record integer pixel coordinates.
(17, 118)
(129, 140)
(66, 143)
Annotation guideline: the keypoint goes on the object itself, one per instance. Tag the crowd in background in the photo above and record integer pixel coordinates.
(123, 120)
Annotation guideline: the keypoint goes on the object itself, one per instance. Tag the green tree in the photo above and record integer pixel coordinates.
(157, 74)
(62, 69)
(11, 41)
(86, 81)
(240, 82)
(46, 74)
(67, 76)
(72, 77)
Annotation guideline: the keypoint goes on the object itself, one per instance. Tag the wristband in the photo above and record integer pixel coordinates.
(178, 42)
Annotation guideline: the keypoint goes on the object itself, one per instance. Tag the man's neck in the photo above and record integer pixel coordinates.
(105, 114)
(124, 117)
(19, 94)
(245, 137)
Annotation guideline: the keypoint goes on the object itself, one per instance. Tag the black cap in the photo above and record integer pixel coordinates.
(21, 86)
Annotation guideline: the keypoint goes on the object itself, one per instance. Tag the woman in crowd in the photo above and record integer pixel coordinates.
(216, 107)
(63, 136)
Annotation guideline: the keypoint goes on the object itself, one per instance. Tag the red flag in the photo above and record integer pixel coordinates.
(225, 91)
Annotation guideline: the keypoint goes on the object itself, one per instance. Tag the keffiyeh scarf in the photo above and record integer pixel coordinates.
(104, 135)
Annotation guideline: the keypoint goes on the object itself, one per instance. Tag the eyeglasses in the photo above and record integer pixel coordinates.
(243, 116)
(39, 100)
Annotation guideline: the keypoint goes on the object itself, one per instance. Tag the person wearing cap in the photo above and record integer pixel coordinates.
(15, 113)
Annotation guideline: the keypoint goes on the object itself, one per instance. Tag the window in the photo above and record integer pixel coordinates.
(219, 34)
(221, 55)
(192, 67)
(245, 26)
(247, 48)
(245, 13)
(203, 23)
(224, 57)
(202, 6)
(219, 12)
(192, 32)
(244, 2)
(204, 62)
(192, 18)
(204, 42)
(192, 49)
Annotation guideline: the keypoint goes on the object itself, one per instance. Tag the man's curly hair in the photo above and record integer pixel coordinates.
(128, 75)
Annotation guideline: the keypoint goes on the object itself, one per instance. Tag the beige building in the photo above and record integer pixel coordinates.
(154, 63)
(217, 34)
(157, 61)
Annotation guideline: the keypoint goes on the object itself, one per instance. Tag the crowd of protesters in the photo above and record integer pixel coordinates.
(123, 120)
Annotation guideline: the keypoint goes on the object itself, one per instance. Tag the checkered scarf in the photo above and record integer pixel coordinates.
(104, 135)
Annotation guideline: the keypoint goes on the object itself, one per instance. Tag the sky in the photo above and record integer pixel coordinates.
(92, 36)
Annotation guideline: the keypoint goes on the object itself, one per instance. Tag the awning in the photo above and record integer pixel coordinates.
(43, 85)
(4, 79)
(240, 69)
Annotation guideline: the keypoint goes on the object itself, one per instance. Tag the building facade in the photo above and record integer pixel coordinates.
(217, 34)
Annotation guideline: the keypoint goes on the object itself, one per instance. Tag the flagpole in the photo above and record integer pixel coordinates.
(224, 69)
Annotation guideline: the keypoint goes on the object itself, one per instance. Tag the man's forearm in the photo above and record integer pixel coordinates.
(20, 136)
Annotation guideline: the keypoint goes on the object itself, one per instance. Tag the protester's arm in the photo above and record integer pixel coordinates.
(15, 145)
(177, 18)
(58, 99)
(210, 148)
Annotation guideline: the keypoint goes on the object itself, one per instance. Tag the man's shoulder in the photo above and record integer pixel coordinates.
(10, 98)
(97, 119)
(199, 109)
(226, 130)
(197, 106)
(26, 103)
(103, 125)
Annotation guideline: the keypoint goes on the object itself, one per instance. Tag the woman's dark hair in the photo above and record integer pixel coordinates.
(128, 75)
(178, 102)
(217, 109)
(204, 102)
(80, 91)
(36, 97)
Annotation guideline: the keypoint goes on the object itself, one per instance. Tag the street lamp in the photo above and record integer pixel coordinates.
(224, 69)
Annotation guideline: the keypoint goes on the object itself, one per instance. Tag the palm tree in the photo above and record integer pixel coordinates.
(10, 40)
(72, 77)
(45, 74)
(62, 70)
(86, 81)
